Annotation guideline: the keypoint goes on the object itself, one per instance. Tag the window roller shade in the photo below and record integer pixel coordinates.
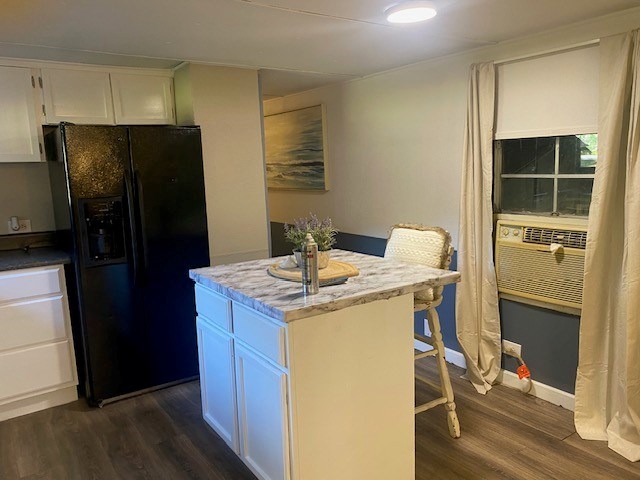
(555, 94)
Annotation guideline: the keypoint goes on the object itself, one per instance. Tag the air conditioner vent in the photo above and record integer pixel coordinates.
(527, 267)
(538, 274)
(547, 236)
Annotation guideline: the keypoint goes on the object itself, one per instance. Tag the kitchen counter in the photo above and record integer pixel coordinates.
(317, 387)
(250, 284)
(36, 257)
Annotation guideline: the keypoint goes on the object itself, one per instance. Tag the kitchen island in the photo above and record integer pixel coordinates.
(317, 387)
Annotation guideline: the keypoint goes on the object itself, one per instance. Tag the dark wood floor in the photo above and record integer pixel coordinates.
(505, 435)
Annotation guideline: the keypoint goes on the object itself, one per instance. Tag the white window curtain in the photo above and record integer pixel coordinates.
(608, 381)
(477, 316)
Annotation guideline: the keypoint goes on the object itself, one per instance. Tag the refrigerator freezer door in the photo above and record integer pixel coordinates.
(168, 174)
(112, 329)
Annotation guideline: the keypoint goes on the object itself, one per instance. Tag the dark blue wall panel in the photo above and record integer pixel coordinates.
(549, 342)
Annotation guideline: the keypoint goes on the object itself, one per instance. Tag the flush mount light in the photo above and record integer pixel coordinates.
(410, 12)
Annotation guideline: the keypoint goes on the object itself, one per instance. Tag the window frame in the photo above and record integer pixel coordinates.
(499, 176)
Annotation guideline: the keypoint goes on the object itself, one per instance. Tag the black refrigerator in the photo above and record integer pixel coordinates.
(129, 203)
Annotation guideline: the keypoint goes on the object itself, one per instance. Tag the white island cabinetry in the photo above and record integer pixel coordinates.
(217, 381)
(262, 412)
(318, 387)
(243, 393)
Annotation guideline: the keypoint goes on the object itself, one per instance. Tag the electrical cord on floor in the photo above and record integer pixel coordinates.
(522, 370)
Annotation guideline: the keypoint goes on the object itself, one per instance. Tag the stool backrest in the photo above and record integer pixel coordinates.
(429, 246)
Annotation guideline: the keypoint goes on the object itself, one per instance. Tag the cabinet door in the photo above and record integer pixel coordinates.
(262, 411)
(142, 99)
(19, 129)
(217, 381)
(78, 96)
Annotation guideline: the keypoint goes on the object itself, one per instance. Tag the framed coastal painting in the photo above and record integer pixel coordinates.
(295, 150)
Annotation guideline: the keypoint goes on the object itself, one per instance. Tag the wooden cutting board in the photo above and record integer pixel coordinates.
(334, 272)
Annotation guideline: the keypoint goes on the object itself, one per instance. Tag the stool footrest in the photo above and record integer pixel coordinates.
(428, 353)
(431, 404)
(423, 338)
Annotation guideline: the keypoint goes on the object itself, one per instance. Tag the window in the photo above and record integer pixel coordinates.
(545, 175)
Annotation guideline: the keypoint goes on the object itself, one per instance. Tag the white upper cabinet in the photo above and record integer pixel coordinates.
(77, 96)
(142, 99)
(20, 130)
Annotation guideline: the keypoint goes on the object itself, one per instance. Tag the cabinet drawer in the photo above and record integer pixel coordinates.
(32, 321)
(215, 307)
(34, 369)
(259, 332)
(29, 283)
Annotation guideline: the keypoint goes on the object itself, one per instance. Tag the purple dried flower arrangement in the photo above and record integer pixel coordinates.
(322, 232)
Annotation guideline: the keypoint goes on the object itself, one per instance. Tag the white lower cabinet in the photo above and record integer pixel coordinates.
(244, 390)
(262, 410)
(37, 362)
(217, 381)
(307, 406)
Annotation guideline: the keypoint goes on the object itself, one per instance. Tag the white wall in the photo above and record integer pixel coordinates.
(395, 138)
(26, 193)
(226, 103)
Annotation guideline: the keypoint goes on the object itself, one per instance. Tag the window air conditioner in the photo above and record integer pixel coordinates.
(528, 268)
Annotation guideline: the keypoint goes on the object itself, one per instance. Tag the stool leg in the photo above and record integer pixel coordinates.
(445, 381)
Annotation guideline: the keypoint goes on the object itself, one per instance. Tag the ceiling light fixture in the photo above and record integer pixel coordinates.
(411, 12)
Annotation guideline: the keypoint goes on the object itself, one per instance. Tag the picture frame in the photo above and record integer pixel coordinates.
(296, 150)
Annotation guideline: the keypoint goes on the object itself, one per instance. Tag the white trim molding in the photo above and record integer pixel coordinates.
(510, 379)
(39, 402)
(452, 356)
(540, 390)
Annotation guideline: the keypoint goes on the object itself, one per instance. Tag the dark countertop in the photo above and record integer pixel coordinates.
(37, 257)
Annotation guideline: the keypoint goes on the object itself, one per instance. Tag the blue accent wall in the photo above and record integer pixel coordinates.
(549, 339)
(549, 342)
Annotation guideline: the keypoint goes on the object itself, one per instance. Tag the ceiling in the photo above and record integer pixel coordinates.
(300, 44)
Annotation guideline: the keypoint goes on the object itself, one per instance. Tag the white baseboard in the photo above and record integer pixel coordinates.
(510, 379)
(545, 392)
(37, 403)
(451, 355)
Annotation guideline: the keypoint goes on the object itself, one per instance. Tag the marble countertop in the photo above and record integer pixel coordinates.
(250, 284)
(36, 257)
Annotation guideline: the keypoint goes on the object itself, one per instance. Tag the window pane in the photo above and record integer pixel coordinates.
(527, 195)
(574, 195)
(578, 153)
(529, 155)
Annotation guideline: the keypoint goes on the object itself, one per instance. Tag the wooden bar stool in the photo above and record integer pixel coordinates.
(429, 246)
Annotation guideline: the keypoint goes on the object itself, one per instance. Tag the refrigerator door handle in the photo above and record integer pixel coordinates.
(143, 234)
(132, 226)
